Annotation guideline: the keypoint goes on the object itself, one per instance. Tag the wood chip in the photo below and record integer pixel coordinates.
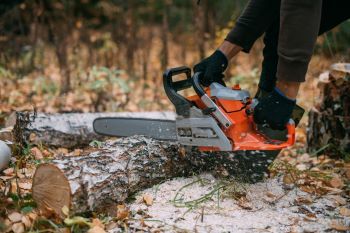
(270, 195)
(344, 211)
(15, 217)
(147, 199)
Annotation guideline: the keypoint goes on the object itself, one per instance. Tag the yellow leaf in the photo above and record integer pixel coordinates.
(65, 210)
(77, 221)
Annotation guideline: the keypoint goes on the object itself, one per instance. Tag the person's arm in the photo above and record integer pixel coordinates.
(257, 16)
(299, 26)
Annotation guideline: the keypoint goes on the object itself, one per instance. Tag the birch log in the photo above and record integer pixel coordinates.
(101, 179)
(68, 130)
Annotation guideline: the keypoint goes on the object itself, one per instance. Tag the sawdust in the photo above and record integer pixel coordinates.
(269, 206)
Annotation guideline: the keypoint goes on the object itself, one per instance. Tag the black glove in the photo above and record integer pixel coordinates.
(212, 68)
(275, 110)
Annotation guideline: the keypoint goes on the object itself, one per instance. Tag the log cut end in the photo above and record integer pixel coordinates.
(51, 190)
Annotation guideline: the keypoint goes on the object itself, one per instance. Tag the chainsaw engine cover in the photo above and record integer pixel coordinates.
(243, 134)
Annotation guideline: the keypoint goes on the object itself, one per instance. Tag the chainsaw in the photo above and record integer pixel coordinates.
(216, 118)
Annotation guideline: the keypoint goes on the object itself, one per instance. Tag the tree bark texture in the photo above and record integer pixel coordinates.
(329, 121)
(101, 179)
(68, 130)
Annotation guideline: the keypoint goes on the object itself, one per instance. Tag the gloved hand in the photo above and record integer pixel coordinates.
(212, 68)
(274, 110)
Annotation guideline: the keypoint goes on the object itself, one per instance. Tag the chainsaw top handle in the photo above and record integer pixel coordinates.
(197, 85)
(171, 87)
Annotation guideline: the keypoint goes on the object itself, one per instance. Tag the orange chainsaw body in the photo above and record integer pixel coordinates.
(243, 133)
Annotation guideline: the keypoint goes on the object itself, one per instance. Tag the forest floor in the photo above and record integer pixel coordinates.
(305, 192)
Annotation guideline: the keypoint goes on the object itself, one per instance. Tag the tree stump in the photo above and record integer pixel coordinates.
(329, 120)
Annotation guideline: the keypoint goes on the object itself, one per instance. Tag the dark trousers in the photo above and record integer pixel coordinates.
(263, 16)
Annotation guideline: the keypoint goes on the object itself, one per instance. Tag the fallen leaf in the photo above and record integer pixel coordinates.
(122, 212)
(15, 217)
(77, 220)
(26, 221)
(111, 225)
(65, 210)
(46, 153)
(9, 171)
(97, 222)
(336, 182)
(301, 167)
(339, 226)
(35, 151)
(288, 179)
(77, 152)
(344, 211)
(303, 200)
(148, 199)
(340, 200)
(96, 229)
(18, 228)
(32, 216)
(32, 137)
(244, 203)
(347, 173)
(306, 189)
(25, 185)
(62, 151)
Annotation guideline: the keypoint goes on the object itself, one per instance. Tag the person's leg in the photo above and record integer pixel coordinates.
(269, 65)
(333, 13)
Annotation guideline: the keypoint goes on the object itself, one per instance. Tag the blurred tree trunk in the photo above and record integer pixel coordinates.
(199, 23)
(131, 29)
(165, 29)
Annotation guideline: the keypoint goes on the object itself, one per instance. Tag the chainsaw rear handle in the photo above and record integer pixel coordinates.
(171, 87)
